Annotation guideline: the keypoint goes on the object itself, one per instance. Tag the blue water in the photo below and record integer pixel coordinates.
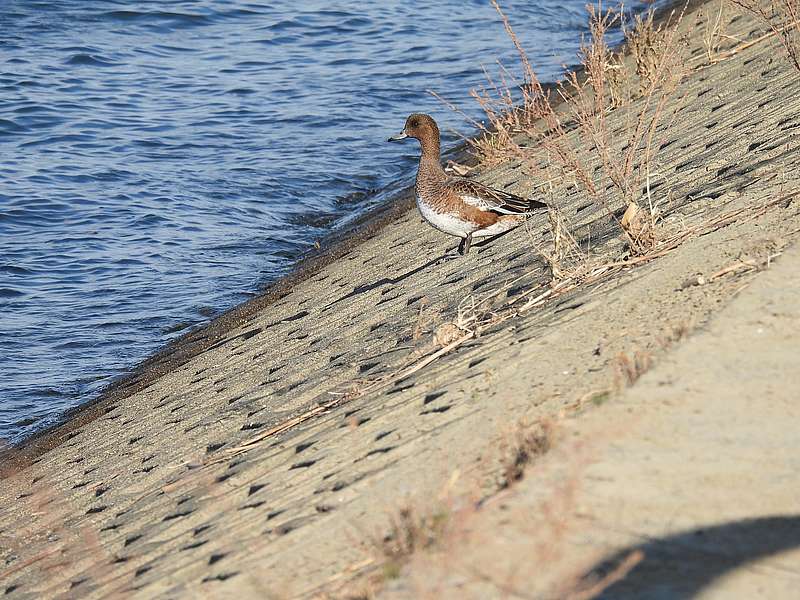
(160, 161)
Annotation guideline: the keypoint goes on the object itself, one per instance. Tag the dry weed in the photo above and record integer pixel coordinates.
(647, 42)
(446, 334)
(568, 127)
(565, 247)
(563, 256)
(409, 532)
(675, 334)
(621, 167)
(521, 447)
(628, 369)
(713, 34)
(423, 320)
(472, 318)
(782, 17)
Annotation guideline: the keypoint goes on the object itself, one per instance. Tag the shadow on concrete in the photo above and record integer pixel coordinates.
(682, 565)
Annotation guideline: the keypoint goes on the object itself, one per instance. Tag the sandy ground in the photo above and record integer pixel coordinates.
(267, 462)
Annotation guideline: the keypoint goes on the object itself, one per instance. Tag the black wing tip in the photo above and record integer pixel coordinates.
(523, 206)
(537, 204)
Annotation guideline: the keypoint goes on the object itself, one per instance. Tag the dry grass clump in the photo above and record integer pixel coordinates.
(782, 17)
(628, 369)
(409, 531)
(562, 253)
(567, 128)
(412, 531)
(714, 32)
(677, 333)
(471, 319)
(648, 43)
(616, 172)
(521, 447)
(566, 249)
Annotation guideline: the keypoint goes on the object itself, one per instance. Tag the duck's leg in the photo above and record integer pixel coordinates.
(463, 247)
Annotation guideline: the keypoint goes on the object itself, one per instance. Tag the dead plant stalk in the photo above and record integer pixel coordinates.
(782, 17)
(569, 127)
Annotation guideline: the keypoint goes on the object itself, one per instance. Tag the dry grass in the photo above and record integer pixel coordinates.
(566, 250)
(410, 531)
(413, 532)
(782, 17)
(623, 161)
(527, 535)
(522, 446)
(561, 252)
(678, 332)
(714, 33)
(566, 128)
(628, 369)
(424, 319)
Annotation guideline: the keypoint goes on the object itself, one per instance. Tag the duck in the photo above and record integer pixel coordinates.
(457, 206)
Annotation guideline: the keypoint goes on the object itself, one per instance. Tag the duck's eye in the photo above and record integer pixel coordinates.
(414, 123)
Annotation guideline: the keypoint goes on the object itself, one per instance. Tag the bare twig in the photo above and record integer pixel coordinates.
(783, 19)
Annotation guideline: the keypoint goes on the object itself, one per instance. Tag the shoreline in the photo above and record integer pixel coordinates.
(203, 336)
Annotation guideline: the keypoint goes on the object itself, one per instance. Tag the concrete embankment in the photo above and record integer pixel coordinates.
(264, 463)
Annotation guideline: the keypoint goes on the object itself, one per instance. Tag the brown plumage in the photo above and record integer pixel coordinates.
(455, 205)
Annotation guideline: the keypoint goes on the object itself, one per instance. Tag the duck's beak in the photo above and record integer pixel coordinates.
(399, 137)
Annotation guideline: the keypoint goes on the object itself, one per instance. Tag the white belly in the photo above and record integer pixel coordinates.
(445, 222)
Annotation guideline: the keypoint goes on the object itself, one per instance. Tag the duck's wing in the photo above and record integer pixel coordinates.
(490, 199)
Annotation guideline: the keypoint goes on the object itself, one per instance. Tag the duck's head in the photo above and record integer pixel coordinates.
(419, 126)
